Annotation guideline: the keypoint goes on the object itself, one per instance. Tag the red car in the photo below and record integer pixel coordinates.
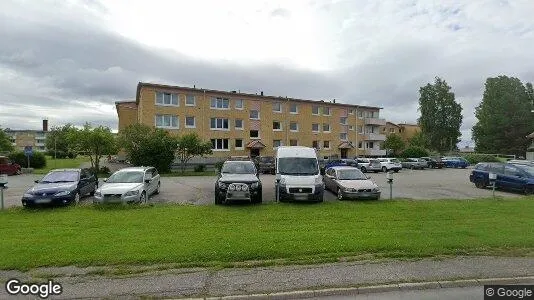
(8, 167)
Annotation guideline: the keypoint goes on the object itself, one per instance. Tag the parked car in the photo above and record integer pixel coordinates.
(390, 164)
(414, 163)
(350, 162)
(8, 167)
(266, 164)
(363, 163)
(455, 162)
(61, 186)
(238, 181)
(129, 185)
(509, 176)
(374, 166)
(335, 162)
(350, 183)
(434, 163)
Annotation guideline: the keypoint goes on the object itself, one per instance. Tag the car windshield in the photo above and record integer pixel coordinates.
(126, 177)
(350, 175)
(60, 176)
(527, 168)
(298, 166)
(238, 168)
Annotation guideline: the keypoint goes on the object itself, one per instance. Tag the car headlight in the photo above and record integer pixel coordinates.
(132, 193)
(62, 193)
(222, 185)
(255, 185)
(376, 189)
(231, 187)
(244, 188)
(28, 195)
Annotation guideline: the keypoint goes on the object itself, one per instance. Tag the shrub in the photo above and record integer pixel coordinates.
(475, 158)
(414, 152)
(200, 168)
(218, 165)
(37, 160)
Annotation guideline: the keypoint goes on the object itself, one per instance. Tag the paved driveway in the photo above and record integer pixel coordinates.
(198, 190)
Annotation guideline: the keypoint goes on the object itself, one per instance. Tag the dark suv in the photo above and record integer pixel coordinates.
(509, 176)
(434, 163)
(239, 181)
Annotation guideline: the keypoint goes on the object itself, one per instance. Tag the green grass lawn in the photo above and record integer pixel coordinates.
(59, 163)
(291, 233)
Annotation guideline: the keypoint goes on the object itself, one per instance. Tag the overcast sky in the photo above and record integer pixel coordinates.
(69, 61)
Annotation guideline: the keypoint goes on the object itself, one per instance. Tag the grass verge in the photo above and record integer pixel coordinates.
(270, 233)
(61, 163)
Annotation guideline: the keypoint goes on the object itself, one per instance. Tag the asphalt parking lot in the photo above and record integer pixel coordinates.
(198, 190)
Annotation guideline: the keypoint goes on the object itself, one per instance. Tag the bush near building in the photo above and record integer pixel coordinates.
(415, 152)
(37, 160)
(475, 158)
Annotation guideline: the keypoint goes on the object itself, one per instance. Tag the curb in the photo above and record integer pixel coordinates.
(349, 291)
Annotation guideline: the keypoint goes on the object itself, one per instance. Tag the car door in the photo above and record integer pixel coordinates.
(512, 178)
(83, 182)
(329, 178)
(148, 185)
(155, 179)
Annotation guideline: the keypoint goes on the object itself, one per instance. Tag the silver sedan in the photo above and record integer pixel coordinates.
(350, 183)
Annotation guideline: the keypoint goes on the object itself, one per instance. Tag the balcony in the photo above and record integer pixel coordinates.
(375, 137)
(375, 152)
(375, 121)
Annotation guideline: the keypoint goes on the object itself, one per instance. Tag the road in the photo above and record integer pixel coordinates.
(198, 190)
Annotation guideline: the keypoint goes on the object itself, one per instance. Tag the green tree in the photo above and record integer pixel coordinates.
(414, 152)
(94, 142)
(504, 117)
(5, 142)
(418, 140)
(395, 143)
(441, 116)
(189, 146)
(148, 146)
(58, 142)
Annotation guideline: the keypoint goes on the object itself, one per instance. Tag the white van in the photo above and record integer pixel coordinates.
(297, 168)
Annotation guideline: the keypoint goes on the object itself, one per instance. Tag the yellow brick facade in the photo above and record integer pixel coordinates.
(405, 131)
(148, 111)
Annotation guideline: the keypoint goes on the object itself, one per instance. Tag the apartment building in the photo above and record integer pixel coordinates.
(241, 124)
(404, 130)
(34, 138)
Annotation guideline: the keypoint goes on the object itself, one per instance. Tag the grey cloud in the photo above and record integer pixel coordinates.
(280, 12)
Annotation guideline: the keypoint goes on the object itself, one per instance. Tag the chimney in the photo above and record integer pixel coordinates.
(261, 93)
(45, 125)
(334, 100)
(233, 92)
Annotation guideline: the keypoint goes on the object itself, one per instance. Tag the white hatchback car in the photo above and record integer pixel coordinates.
(390, 164)
(134, 184)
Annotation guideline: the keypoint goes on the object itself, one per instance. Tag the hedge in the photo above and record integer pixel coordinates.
(37, 160)
(475, 158)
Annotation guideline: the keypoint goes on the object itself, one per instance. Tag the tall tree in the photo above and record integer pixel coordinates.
(441, 116)
(504, 117)
(189, 146)
(5, 142)
(419, 140)
(394, 143)
(57, 140)
(94, 142)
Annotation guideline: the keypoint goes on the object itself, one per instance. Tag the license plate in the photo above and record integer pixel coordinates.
(301, 196)
(46, 200)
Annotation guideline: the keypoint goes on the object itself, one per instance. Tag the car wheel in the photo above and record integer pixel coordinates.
(364, 170)
(77, 198)
(396, 171)
(412, 167)
(218, 200)
(19, 171)
(339, 195)
(142, 199)
(258, 198)
(479, 184)
(92, 193)
(157, 189)
(384, 169)
(529, 190)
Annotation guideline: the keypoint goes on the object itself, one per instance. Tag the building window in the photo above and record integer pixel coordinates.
(315, 127)
(277, 107)
(190, 100)
(254, 114)
(220, 103)
(326, 127)
(277, 143)
(343, 136)
(360, 114)
(326, 111)
(219, 144)
(368, 114)
(238, 124)
(315, 144)
(360, 145)
(351, 127)
(167, 121)
(326, 144)
(277, 126)
(343, 120)
(315, 110)
(360, 129)
(219, 124)
(294, 126)
(190, 122)
(239, 104)
(351, 111)
(254, 134)
(293, 143)
(392, 130)
(166, 99)
(293, 109)
(239, 144)
(370, 145)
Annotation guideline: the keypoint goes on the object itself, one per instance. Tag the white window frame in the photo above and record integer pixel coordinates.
(294, 130)
(343, 123)
(194, 100)
(351, 127)
(351, 111)
(163, 121)
(360, 129)
(242, 104)
(280, 104)
(325, 147)
(177, 96)
(221, 149)
(279, 129)
(329, 111)
(318, 127)
(329, 127)
(242, 144)
(194, 122)
(255, 138)
(235, 125)
(222, 101)
(392, 130)
(345, 138)
(222, 128)
(296, 112)
(318, 110)
(250, 114)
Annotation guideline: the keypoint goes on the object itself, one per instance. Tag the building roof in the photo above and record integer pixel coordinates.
(233, 93)
(126, 104)
(391, 123)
